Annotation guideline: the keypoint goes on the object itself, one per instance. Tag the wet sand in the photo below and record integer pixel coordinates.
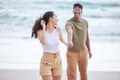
(12, 74)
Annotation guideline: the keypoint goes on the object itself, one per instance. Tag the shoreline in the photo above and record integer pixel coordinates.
(102, 65)
(29, 56)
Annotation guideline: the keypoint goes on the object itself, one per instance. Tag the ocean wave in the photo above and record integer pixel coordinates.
(102, 16)
(9, 19)
(95, 5)
(17, 17)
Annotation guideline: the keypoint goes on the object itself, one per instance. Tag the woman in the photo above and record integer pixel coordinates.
(49, 34)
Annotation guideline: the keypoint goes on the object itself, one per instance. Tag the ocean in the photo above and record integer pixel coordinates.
(19, 51)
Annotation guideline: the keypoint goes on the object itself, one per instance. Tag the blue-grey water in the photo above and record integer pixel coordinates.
(18, 16)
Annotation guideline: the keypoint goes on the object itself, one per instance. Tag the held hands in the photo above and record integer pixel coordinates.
(43, 24)
(70, 44)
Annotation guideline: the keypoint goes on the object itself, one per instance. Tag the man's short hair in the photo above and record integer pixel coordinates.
(78, 4)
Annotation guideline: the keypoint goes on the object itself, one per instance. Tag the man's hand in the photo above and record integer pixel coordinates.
(90, 55)
(70, 44)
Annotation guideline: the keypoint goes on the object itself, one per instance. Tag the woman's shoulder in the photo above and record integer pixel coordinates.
(57, 28)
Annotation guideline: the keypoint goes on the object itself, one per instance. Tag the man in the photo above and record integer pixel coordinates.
(78, 44)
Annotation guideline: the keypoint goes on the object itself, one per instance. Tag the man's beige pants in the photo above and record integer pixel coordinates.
(74, 59)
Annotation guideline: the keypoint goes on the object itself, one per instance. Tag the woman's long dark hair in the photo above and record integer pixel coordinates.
(37, 26)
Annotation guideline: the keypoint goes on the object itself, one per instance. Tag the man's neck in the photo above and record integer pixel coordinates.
(77, 19)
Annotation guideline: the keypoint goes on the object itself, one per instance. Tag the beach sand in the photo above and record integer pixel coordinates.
(12, 74)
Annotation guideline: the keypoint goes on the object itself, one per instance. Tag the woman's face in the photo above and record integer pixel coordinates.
(54, 19)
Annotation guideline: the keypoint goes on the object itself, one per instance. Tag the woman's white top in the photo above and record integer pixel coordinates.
(52, 42)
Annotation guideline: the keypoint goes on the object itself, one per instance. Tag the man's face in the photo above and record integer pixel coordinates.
(77, 12)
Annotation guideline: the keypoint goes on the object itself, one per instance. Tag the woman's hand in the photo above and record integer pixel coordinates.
(70, 44)
(43, 24)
